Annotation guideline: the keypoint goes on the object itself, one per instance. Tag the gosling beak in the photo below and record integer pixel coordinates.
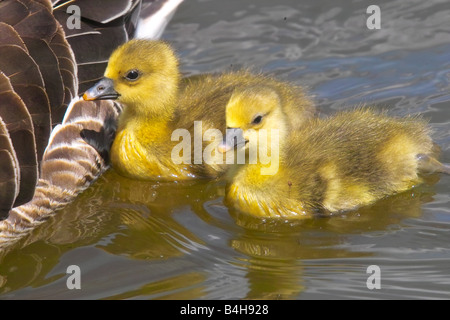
(234, 138)
(102, 90)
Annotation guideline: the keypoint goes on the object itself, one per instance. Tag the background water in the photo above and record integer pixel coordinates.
(144, 240)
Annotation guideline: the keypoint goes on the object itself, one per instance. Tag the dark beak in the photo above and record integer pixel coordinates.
(102, 90)
(234, 137)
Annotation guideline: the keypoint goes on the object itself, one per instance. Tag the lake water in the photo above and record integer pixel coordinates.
(150, 240)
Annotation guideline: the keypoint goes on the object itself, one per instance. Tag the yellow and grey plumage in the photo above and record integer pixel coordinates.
(144, 76)
(330, 165)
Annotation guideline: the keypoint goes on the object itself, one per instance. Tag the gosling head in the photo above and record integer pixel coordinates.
(142, 74)
(249, 111)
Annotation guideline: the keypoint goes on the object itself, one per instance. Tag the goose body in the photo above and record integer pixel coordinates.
(330, 165)
(44, 157)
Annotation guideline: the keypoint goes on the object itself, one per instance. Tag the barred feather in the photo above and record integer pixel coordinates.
(43, 66)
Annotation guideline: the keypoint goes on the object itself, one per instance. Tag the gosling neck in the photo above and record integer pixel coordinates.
(262, 161)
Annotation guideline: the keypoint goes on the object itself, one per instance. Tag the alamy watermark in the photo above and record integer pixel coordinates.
(74, 279)
(236, 147)
(74, 20)
(374, 20)
(374, 280)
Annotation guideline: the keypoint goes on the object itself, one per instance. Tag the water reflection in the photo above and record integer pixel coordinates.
(173, 288)
(120, 216)
(138, 221)
(275, 249)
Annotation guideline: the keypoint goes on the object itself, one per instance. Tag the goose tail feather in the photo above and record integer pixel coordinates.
(77, 154)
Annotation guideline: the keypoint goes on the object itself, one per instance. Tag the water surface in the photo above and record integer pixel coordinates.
(151, 240)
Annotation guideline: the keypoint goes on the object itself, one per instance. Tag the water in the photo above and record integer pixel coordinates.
(150, 240)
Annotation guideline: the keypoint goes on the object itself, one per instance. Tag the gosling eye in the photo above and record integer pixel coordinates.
(132, 75)
(257, 119)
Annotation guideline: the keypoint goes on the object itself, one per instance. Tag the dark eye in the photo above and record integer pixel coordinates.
(132, 75)
(257, 120)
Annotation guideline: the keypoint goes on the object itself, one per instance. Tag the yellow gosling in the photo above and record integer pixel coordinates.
(326, 165)
(144, 76)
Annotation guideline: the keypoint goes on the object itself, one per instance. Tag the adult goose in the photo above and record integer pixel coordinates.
(52, 144)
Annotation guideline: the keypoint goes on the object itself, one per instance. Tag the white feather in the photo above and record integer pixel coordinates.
(152, 27)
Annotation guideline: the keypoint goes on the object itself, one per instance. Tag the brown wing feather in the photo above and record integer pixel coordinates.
(27, 82)
(11, 12)
(18, 124)
(9, 172)
(8, 35)
(37, 30)
(67, 66)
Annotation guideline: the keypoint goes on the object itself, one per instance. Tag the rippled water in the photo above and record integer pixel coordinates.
(178, 241)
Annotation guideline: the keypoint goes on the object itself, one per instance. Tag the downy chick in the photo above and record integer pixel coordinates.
(144, 76)
(326, 165)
